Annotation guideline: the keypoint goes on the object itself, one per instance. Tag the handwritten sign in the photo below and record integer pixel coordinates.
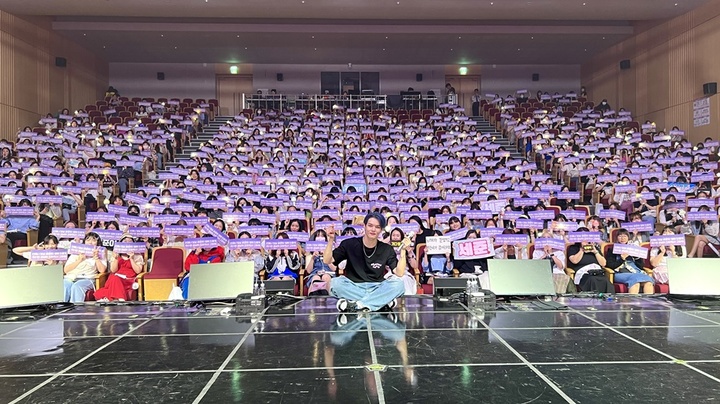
(438, 245)
(476, 248)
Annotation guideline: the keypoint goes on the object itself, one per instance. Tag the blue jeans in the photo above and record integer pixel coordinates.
(75, 291)
(373, 295)
(390, 331)
(631, 279)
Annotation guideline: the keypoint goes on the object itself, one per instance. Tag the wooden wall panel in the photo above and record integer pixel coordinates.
(30, 83)
(670, 62)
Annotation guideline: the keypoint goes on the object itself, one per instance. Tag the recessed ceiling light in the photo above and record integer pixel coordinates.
(584, 4)
(398, 3)
(386, 37)
(518, 49)
(313, 37)
(176, 47)
(603, 37)
(103, 46)
(383, 48)
(238, 36)
(245, 48)
(84, 34)
(303, 2)
(676, 4)
(459, 37)
(451, 49)
(532, 37)
(491, 3)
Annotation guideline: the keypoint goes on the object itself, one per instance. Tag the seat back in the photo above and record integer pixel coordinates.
(166, 263)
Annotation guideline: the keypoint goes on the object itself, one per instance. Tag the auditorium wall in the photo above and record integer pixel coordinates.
(670, 62)
(197, 80)
(30, 83)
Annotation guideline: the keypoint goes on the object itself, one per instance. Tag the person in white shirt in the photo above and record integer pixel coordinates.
(80, 270)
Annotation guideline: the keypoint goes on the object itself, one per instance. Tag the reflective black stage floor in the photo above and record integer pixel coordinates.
(637, 350)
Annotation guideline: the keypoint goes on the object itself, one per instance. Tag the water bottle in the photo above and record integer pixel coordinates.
(262, 288)
(256, 288)
(468, 288)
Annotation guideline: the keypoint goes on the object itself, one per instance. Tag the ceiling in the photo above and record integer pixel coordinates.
(349, 31)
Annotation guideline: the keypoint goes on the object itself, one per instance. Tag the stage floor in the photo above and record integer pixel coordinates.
(633, 350)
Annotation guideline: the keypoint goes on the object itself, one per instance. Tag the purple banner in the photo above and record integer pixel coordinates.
(407, 228)
(298, 235)
(68, 233)
(491, 231)
(554, 243)
(245, 244)
(457, 234)
(109, 234)
(631, 250)
(638, 226)
(588, 236)
(567, 226)
(667, 240)
(201, 242)
(697, 202)
(315, 246)
(56, 199)
(542, 214)
(210, 229)
(280, 244)
(165, 219)
(511, 214)
(215, 204)
(612, 214)
(196, 221)
(479, 214)
(512, 239)
(293, 214)
(529, 224)
(127, 248)
(87, 249)
(568, 195)
(255, 230)
(178, 230)
(264, 217)
(152, 232)
(48, 255)
(704, 215)
(17, 211)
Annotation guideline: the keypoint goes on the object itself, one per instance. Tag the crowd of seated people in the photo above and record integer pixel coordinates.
(269, 183)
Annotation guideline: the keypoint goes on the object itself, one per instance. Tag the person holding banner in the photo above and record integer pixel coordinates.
(282, 264)
(396, 241)
(319, 274)
(363, 287)
(586, 259)
(628, 269)
(49, 243)
(555, 252)
(124, 267)
(706, 233)
(659, 256)
(246, 255)
(80, 270)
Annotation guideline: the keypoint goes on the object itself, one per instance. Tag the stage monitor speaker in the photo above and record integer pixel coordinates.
(625, 64)
(694, 276)
(418, 77)
(22, 287)
(60, 62)
(160, 76)
(280, 285)
(536, 77)
(279, 77)
(222, 281)
(521, 277)
(449, 286)
(710, 88)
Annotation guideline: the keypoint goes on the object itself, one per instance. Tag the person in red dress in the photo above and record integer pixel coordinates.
(123, 270)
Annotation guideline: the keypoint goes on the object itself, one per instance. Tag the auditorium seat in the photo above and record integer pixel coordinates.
(167, 265)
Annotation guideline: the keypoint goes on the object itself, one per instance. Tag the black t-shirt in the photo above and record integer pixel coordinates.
(587, 258)
(359, 267)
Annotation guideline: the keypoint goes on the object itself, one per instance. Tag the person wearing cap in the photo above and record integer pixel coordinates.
(363, 287)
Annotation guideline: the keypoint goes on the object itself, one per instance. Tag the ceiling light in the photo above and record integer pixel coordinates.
(234, 69)
(463, 70)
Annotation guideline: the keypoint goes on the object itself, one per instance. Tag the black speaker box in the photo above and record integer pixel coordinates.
(625, 64)
(160, 76)
(418, 77)
(280, 77)
(536, 77)
(710, 88)
(60, 62)
(449, 286)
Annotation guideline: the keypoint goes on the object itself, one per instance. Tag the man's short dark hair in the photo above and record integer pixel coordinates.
(375, 215)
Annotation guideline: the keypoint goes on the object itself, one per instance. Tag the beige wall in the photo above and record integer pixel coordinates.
(669, 64)
(30, 83)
